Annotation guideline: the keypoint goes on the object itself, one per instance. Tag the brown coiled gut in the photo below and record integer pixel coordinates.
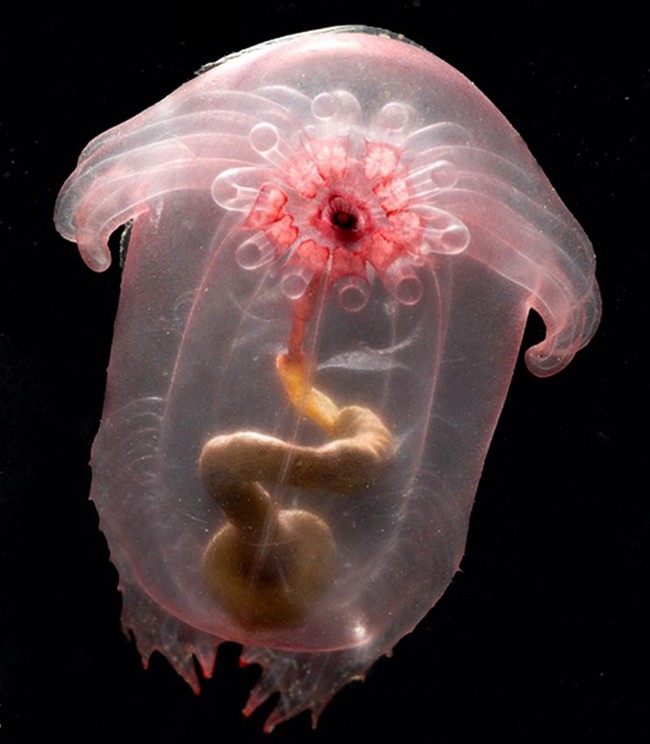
(269, 566)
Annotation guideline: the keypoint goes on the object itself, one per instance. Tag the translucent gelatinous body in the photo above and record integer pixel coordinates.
(335, 242)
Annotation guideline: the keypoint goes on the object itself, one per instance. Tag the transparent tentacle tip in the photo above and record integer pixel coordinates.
(254, 253)
(236, 188)
(443, 232)
(295, 280)
(393, 116)
(402, 282)
(325, 106)
(353, 293)
(335, 113)
(443, 174)
(433, 177)
(264, 138)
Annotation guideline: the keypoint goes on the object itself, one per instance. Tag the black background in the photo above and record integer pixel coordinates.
(542, 635)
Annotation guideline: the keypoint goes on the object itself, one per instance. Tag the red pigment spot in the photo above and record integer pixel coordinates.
(283, 233)
(331, 156)
(309, 251)
(348, 263)
(382, 249)
(393, 194)
(303, 175)
(268, 207)
(407, 225)
(269, 213)
(381, 160)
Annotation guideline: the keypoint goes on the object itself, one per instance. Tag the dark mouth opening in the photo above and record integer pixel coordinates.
(345, 218)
